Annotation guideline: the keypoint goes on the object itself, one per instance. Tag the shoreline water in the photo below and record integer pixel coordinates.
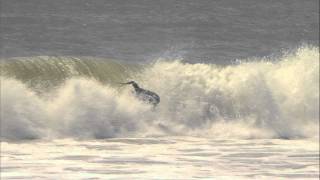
(161, 158)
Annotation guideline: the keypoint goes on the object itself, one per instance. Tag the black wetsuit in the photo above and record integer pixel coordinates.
(146, 95)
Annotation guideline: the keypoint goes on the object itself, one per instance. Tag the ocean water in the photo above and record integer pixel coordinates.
(143, 30)
(161, 158)
(64, 117)
(238, 82)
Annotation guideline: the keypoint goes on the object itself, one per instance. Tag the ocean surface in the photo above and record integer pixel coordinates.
(210, 31)
(238, 82)
(161, 158)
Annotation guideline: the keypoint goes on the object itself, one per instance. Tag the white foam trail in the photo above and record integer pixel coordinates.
(250, 100)
(281, 98)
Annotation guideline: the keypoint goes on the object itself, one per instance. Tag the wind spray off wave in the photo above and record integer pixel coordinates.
(258, 99)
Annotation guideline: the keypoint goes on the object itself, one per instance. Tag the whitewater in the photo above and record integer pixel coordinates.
(257, 118)
(63, 97)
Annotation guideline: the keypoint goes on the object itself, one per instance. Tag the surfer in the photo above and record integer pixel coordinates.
(145, 95)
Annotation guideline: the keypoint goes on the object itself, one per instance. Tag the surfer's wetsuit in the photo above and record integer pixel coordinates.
(145, 95)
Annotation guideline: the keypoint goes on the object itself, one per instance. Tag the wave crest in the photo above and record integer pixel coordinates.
(251, 100)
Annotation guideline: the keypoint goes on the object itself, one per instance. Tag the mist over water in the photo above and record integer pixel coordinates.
(72, 97)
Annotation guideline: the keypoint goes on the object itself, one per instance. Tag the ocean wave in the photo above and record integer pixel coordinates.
(45, 73)
(257, 99)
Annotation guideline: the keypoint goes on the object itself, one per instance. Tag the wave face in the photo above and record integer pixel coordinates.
(44, 74)
(58, 97)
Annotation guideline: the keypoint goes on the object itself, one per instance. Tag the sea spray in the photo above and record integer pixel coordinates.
(259, 99)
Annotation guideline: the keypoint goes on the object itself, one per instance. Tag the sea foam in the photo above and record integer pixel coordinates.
(254, 99)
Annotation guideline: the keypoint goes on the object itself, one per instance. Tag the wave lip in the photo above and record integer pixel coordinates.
(259, 99)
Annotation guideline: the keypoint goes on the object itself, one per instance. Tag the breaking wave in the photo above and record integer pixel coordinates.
(58, 97)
